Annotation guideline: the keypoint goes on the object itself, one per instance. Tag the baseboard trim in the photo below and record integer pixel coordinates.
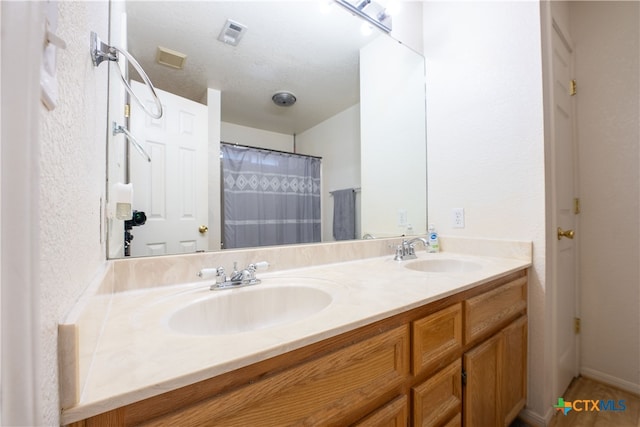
(611, 380)
(536, 419)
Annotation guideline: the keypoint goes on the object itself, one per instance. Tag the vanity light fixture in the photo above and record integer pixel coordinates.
(369, 10)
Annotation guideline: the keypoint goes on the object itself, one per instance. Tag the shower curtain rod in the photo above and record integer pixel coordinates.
(269, 150)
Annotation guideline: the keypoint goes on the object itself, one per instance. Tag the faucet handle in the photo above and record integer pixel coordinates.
(208, 273)
(399, 253)
(251, 268)
(260, 265)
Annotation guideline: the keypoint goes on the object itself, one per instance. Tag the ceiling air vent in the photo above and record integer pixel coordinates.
(170, 58)
(232, 32)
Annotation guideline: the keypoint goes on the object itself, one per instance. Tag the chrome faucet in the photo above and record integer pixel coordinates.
(238, 279)
(407, 249)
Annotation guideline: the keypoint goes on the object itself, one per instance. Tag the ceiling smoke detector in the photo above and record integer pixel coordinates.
(232, 32)
(284, 99)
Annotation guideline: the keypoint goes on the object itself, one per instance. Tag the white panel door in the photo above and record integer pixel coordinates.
(565, 301)
(172, 188)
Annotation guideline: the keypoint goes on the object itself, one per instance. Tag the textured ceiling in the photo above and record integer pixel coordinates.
(304, 47)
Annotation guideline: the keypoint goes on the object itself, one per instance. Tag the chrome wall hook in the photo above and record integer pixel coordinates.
(121, 129)
(100, 51)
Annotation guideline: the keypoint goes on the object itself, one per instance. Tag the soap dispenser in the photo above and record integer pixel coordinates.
(121, 201)
(434, 244)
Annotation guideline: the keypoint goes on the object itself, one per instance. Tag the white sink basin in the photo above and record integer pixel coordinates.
(248, 309)
(444, 266)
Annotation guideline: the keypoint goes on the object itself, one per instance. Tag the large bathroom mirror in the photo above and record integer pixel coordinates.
(359, 106)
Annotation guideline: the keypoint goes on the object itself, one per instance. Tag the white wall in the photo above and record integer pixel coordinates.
(607, 48)
(407, 24)
(485, 141)
(244, 135)
(337, 141)
(393, 152)
(214, 111)
(72, 183)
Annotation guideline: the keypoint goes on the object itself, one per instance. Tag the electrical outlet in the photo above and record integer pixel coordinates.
(402, 218)
(458, 218)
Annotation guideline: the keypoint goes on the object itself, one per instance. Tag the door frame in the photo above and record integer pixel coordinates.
(550, 25)
(22, 36)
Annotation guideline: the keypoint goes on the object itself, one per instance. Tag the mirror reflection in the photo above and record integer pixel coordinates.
(226, 73)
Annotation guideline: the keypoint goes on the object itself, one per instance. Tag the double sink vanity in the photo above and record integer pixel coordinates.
(335, 334)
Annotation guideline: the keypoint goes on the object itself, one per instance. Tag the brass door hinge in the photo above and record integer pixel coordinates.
(576, 205)
(127, 110)
(576, 325)
(572, 87)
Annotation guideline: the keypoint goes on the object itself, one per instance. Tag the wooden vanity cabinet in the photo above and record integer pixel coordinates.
(489, 389)
(495, 371)
(408, 369)
(392, 414)
(325, 391)
(438, 400)
(435, 338)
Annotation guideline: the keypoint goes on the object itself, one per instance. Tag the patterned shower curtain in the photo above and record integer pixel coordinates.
(269, 197)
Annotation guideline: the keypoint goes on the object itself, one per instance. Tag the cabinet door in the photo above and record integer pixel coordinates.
(436, 337)
(393, 414)
(481, 396)
(323, 391)
(439, 398)
(455, 421)
(514, 369)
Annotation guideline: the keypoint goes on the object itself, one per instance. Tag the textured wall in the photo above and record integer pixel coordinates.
(607, 42)
(485, 142)
(72, 182)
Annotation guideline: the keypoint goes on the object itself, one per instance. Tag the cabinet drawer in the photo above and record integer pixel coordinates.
(488, 312)
(439, 398)
(393, 414)
(436, 337)
(319, 392)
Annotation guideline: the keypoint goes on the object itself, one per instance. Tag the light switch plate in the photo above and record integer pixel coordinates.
(48, 78)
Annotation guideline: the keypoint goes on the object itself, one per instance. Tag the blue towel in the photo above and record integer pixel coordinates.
(344, 214)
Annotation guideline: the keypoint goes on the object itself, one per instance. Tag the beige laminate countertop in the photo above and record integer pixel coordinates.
(138, 356)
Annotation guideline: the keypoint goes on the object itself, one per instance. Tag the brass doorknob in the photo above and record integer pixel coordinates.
(203, 229)
(565, 233)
